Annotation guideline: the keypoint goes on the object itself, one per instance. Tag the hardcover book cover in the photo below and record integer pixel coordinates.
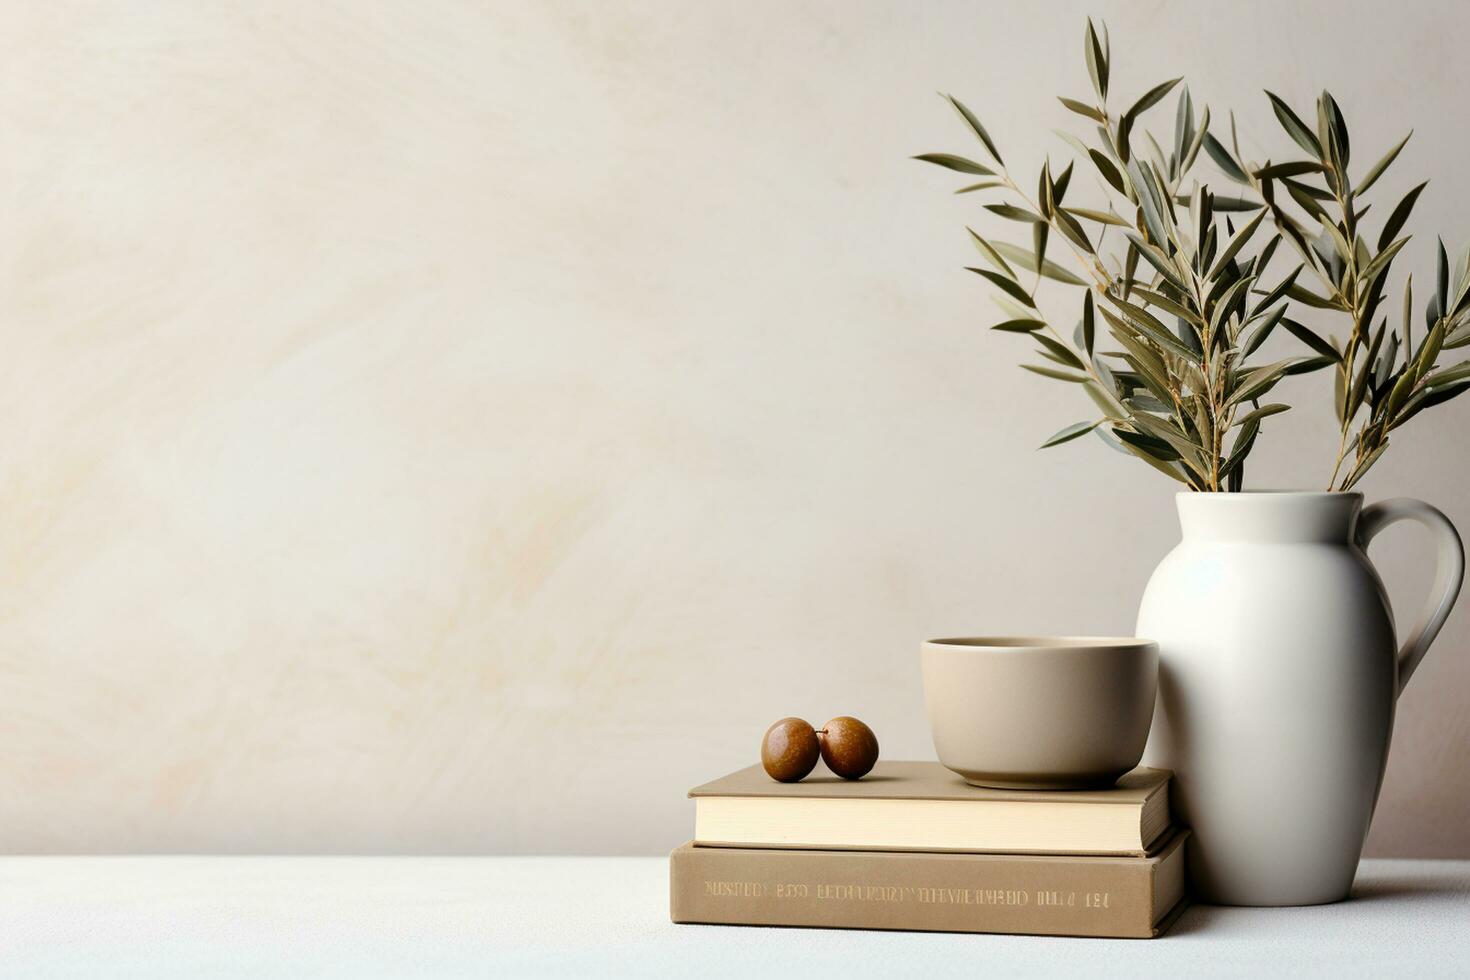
(1001, 893)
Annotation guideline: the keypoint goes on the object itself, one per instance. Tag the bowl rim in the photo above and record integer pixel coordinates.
(1022, 642)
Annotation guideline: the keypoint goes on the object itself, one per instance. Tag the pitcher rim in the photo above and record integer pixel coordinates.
(1266, 494)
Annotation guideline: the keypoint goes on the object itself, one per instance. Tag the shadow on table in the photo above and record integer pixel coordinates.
(1195, 918)
(1416, 889)
(1407, 887)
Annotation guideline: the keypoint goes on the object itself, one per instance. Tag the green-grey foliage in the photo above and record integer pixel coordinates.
(1383, 377)
(1176, 277)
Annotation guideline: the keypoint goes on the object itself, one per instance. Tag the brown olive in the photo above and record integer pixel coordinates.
(849, 747)
(789, 750)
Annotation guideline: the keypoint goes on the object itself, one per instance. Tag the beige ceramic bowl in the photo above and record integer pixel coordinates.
(1040, 712)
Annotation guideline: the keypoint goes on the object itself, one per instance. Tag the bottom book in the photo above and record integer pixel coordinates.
(1048, 895)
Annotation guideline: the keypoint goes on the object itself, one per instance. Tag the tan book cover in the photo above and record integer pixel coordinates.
(1049, 895)
(922, 806)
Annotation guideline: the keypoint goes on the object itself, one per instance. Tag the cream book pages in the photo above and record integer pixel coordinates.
(921, 806)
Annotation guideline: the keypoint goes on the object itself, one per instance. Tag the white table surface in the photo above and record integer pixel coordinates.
(590, 917)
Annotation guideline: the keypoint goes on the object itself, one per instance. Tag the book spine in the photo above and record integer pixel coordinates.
(1046, 896)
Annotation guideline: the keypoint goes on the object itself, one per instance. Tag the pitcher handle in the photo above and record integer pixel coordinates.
(1449, 571)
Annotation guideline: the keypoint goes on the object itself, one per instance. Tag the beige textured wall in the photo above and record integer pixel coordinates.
(464, 426)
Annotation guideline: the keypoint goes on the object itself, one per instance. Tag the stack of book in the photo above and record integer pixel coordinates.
(912, 846)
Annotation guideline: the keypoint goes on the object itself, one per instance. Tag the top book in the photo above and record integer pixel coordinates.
(922, 806)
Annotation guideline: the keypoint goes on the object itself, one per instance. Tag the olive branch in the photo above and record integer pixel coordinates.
(1185, 293)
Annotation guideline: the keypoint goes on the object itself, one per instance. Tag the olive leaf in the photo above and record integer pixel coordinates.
(1235, 244)
(1277, 291)
(1059, 352)
(1083, 109)
(1026, 259)
(1256, 415)
(1332, 132)
(1089, 329)
(991, 255)
(1223, 204)
(1295, 128)
(1015, 213)
(1376, 171)
(1009, 286)
(951, 161)
(1108, 170)
(1263, 330)
(1056, 374)
(1224, 160)
(1294, 169)
(1152, 97)
(1101, 217)
(1074, 431)
(1304, 295)
(1399, 215)
(1306, 336)
(1149, 99)
(1097, 62)
(1256, 383)
(1442, 279)
(976, 128)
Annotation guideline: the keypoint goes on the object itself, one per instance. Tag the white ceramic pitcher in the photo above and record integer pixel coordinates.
(1277, 681)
